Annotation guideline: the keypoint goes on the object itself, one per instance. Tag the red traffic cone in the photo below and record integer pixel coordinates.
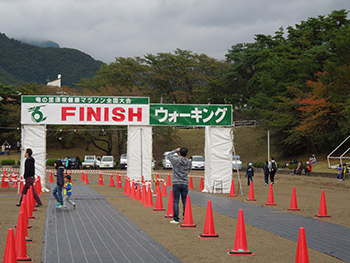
(29, 206)
(24, 211)
(302, 255)
(168, 183)
(111, 183)
(143, 195)
(138, 192)
(132, 190)
(209, 229)
(15, 183)
(190, 184)
(21, 186)
(270, 199)
(32, 198)
(10, 255)
(3, 183)
(164, 190)
(149, 201)
(39, 192)
(22, 222)
(251, 193)
(240, 247)
(82, 177)
(188, 218)
(170, 210)
(100, 180)
(86, 181)
(159, 203)
(127, 187)
(201, 184)
(119, 182)
(293, 201)
(20, 241)
(232, 190)
(322, 212)
(51, 178)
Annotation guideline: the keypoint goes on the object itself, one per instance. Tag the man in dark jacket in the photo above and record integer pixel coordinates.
(181, 167)
(29, 177)
(57, 191)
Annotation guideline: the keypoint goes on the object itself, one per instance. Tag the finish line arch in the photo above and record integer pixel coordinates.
(139, 115)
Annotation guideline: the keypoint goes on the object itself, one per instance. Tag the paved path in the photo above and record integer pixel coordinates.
(325, 237)
(96, 232)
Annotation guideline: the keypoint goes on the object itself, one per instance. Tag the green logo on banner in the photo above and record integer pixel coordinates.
(37, 115)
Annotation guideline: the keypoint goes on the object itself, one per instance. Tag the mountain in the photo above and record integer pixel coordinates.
(40, 43)
(21, 62)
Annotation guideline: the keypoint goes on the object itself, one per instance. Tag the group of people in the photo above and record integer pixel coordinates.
(342, 170)
(270, 169)
(63, 182)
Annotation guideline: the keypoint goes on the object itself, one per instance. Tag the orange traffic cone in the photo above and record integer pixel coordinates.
(111, 183)
(240, 247)
(39, 192)
(29, 206)
(24, 211)
(20, 241)
(15, 183)
(209, 229)
(132, 190)
(82, 177)
(251, 193)
(164, 190)
(127, 187)
(159, 203)
(138, 192)
(51, 178)
(322, 212)
(302, 255)
(190, 184)
(170, 210)
(22, 222)
(293, 201)
(10, 255)
(188, 218)
(168, 183)
(149, 201)
(100, 180)
(201, 184)
(143, 195)
(86, 179)
(119, 182)
(31, 195)
(232, 190)
(270, 199)
(21, 187)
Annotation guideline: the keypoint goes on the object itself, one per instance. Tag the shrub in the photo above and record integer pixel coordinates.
(50, 162)
(8, 162)
(293, 166)
(19, 162)
(259, 164)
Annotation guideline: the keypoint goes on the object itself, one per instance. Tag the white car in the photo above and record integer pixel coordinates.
(92, 162)
(123, 161)
(108, 162)
(153, 163)
(236, 162)
(166, 162)
(198, 162)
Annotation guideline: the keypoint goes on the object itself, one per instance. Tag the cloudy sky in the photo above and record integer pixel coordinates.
(106, 29)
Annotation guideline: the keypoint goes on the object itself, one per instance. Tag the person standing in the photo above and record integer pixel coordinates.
(57, 191)
(266, 172)
(250, 173)
(29, 177)
(181, 167)
(345, 169)
(272, 169)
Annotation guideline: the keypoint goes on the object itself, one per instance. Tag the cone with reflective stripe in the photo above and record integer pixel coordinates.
(159, 203)
(322, 213)
(15, 183)
(82, 177)
(293, 201)
(232, 190)
(188, 218)
(270, 199)
(10, 255)
(119, 182)
(138, 192)
(251, 193)
(201, 184)
(51, 178)
(20, 241)
(164, 190)
(302, 255)
(21, 186)
(149, 201)
(170, 210)
(240, 247)
(190, 184)
(100, 180)
(86, 179)
(111, 182)
(168, 183)
(209, 229)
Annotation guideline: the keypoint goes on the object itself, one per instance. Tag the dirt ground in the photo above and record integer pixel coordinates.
(185, 244)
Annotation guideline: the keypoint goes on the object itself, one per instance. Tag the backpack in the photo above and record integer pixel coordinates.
(273, 167)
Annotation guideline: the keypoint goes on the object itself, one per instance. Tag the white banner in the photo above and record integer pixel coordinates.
(84, 113)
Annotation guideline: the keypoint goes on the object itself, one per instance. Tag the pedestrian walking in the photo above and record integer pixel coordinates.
(272, 169)
(250, 173)
(57, 191)
(67, 192)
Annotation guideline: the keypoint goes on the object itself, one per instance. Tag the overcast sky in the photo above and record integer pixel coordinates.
(106, 29)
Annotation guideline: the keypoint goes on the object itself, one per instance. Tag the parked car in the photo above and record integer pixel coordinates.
(123, 161)
(198, 162)
(166, 162)
(236, 162)
(91, 162)
(153, 163)
(74, 162)
(108, 162)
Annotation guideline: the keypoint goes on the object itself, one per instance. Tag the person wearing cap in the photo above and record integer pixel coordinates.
(250, 173)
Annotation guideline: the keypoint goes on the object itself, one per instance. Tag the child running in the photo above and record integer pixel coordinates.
(67, 192)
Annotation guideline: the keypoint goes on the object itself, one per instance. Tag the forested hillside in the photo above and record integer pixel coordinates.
(20, 63)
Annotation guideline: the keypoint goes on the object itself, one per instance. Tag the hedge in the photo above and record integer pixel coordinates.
(50, 162)
(8, 162)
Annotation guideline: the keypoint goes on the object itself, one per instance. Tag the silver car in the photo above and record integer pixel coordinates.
(123, 161)
(166, 162)
(198, 162)
(236, 162)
